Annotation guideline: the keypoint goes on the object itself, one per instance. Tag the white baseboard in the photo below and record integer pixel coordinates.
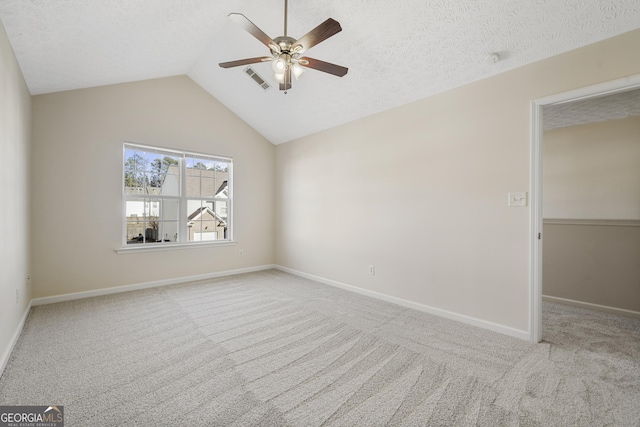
(598, 307)
(135, 287)
(14, 339)
(416, 306)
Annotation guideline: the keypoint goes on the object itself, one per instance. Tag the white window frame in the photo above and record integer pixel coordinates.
(183, 231)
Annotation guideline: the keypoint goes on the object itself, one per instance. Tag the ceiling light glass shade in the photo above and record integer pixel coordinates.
(279, 65)
(298, 71)
(279, 77)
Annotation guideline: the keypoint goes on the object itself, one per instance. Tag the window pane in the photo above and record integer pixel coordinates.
(171, 185)
(222, 177)
(203, 222)
(195, 208)
(152, 212)
(221, 166)
(220, 208)
(153, 184)
(207, 220)
(198, 164)
(170, 210)
(190, 162)
(193, 182)
(152, 220)
(134, 178)
(222, 187)
(159, 166)
(134, 235)
(203, 225)
(135, 208)
(153, 161)
(134, 160)
(207, 185)
(134, 183)
(136, 221)
(200, 174)
(170, 231)
(152, 208)
(208, 228)
(167, 232)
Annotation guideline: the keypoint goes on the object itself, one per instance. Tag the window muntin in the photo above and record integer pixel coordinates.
(175, 197)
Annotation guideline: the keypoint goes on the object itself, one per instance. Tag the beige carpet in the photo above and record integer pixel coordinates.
(272, 349)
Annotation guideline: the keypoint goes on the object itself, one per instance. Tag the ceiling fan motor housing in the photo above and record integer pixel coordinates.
(284, 43)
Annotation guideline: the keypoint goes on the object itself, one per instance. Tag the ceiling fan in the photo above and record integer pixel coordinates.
(286, 51)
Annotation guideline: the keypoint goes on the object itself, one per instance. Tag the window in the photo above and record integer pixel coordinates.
(173, 197)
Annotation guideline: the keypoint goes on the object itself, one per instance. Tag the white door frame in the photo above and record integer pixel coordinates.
(535, 191)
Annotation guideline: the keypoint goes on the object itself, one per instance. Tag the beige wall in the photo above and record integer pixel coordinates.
(420, 191)
(15, 128)
(77, 188)
(596, 264)
(592, 171)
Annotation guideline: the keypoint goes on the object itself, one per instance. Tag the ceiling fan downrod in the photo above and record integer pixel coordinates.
(286, 4)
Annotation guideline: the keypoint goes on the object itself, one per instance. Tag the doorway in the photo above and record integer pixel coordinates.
(536, 189)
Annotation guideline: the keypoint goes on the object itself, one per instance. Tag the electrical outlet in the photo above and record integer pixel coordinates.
(241, 252)
(372, 270)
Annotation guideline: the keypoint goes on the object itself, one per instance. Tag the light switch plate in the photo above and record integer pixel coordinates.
(518, 199)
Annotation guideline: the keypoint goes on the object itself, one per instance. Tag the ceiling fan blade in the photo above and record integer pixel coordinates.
(252, 29)
(322, 32)
(240, 62)
(327, 67)
(287, 80)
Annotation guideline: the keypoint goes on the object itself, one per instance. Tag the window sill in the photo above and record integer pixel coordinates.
(159, 248)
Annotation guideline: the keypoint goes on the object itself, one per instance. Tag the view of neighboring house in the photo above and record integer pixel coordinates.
(157, 219)
(205, 224)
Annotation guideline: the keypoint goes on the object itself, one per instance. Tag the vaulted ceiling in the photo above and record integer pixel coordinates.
(396, 51)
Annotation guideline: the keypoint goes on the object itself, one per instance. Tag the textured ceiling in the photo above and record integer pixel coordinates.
(396, 51)
(598, 109)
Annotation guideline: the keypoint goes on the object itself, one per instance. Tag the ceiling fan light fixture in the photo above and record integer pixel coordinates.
(279, 77)
(279, 65)
(298, 71)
